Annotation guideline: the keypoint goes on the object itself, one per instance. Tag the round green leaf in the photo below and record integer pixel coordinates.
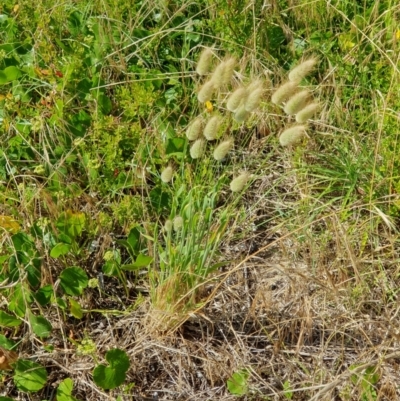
(40, 326)
(29, 376)
(74, 280)
(109, 377)
(60, 249)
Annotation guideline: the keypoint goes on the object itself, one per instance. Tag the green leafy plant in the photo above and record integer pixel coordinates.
(29, 376)
(112, 376)
(366, 382)
(237, 384)
(64, 390)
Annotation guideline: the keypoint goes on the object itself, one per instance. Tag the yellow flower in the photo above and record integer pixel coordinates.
(209, 106)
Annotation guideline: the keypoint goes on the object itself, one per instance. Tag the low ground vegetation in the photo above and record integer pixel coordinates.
(199, 200)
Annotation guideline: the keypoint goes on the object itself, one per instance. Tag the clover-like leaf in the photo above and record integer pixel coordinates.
(109, 377)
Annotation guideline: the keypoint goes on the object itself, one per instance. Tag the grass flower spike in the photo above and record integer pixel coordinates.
(305, 114)
(197, 149)
(212, 127)
(283, 92)
(168, 225)
(253, 99)
(206, 92)
(228, 71)
(167, 174)
(236, 98)
(292, 135)
(223, 149)
(194, 129)
(204, 63)
(302, 70)
(238, 183)
(241, 114)
(297, 102)
(177, 223)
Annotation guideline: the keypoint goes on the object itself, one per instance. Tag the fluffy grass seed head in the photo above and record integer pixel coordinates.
(168, 225)
(230, 64)
(223, 149)
(305, 114)
(284, 92)
(197, 149)
(292, 135)
(167, 174)
(211, 129)
(238, 183)
(253, 99)
(177, 223)
(217, 75)
(241, 114)
(194, 129)
(204, 63)
(237, 97)
(302, 70)
(297, 102)
(206, 91)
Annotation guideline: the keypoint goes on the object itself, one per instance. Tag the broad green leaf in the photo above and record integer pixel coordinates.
(18, 300)
(6, 399)
(44, 294)
(160, 200)
(40, 326)
(6, 342)
(104, 103)
(64, 390)
(9, 74)
(71, 223)
(74, 280)
(61, 303)
(109, 377)
(7, 320)
(237, 384)
(175, 146)
(76, 309)
(22, 242)
(141, 261)
(29, 376)
(60, 249)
